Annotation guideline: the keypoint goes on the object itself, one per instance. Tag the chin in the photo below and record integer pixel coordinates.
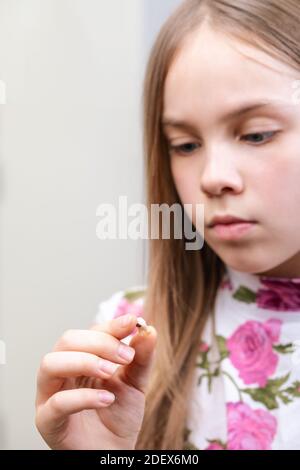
(246, 263)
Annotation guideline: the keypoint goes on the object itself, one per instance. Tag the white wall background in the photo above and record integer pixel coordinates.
(70, 139)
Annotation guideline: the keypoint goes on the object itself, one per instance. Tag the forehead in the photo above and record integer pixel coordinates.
(214, 71)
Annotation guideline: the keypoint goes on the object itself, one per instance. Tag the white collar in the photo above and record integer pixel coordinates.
(272, 293)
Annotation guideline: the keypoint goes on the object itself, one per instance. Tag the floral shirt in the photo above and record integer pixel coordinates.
(246, 390)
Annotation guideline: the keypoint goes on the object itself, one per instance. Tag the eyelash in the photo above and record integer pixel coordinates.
(177, 149)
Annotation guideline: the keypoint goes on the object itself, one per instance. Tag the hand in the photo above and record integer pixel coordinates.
(70, 410)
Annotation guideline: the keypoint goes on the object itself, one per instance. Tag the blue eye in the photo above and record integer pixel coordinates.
(259, 137)
(179, 149)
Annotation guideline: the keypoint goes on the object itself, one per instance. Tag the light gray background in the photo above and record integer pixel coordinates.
(71, 139)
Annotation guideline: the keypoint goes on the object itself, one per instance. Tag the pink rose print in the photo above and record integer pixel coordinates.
(226, 284)
(214, 446)
(281, 294)
(250, 350)
(125, 307)
(203, 347)
(249, 429)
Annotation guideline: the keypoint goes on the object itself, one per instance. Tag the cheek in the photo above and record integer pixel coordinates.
(277, 191)
(186, 180)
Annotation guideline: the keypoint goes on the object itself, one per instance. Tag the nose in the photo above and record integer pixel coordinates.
(220, 173)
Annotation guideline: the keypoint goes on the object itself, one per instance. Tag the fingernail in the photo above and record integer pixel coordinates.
(106, 397)
(126, 352)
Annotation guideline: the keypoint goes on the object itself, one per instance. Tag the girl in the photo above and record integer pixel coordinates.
(219, 368)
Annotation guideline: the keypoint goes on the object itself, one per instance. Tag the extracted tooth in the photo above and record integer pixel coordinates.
(141, 324)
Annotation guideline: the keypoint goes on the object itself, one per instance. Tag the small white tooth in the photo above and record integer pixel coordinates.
(141, 322)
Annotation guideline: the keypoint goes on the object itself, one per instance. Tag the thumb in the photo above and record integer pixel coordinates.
(137, 373)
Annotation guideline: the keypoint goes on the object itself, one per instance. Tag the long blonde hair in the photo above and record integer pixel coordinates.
(182, 284)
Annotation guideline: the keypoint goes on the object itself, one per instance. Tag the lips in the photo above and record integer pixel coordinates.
(231, 228)
(227, 220)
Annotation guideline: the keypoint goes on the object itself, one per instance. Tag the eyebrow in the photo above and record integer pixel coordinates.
(240, 111)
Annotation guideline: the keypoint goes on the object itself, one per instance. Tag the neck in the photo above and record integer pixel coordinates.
(288, 269)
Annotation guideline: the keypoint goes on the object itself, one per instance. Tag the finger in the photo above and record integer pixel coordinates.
(137, 373)
(57, 366)
(100, 343)
(51, 415)
(119, 327)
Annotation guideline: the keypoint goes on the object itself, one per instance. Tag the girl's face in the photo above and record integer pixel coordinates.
(245, 164)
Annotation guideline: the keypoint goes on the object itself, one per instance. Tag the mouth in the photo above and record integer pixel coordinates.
(232, 230)
(226, 220)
